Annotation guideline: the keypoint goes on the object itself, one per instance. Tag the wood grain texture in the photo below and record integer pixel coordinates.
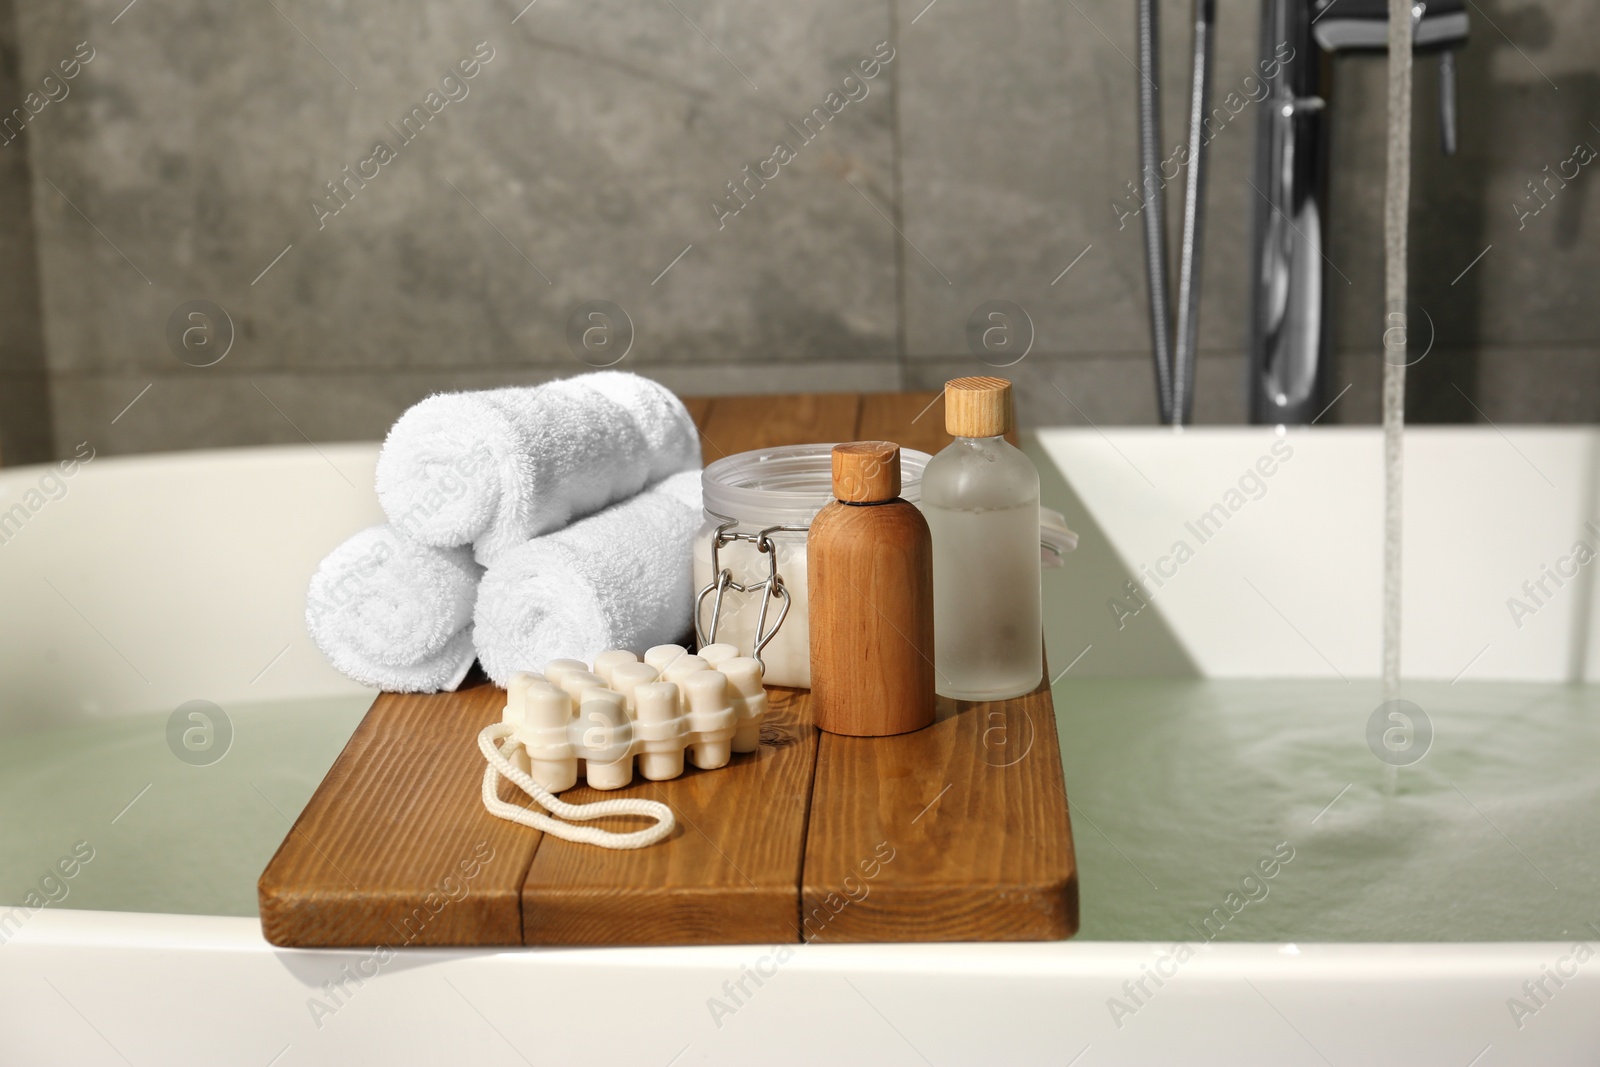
(869, 577)
(978, 407)
(399, 812)
(911, 420)
(972, 812)
(728, 874)
(866, 472)
(777, 837)
(699, 408)
(742, 423)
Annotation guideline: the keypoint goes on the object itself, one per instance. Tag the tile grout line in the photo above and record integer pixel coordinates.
(902, 312)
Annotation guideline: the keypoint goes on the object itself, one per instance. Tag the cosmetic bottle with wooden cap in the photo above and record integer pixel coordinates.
(981, 498)
(869, 570)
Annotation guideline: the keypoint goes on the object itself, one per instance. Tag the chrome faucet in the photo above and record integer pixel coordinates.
(1289, 331)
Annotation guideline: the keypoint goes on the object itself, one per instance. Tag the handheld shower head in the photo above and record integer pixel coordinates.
(1174, 344)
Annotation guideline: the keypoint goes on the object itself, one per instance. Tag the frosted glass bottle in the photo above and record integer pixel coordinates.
(981, 499)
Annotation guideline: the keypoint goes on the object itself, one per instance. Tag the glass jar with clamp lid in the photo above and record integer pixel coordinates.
(750, 555)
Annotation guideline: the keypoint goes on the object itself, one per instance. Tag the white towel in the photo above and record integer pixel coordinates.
(496, 468)
(394, 614)
(621, 578)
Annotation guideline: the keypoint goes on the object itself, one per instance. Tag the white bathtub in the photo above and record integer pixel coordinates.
(158, 580)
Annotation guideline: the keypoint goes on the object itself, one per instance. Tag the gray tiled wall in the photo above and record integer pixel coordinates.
(583, 160)
(25, 429)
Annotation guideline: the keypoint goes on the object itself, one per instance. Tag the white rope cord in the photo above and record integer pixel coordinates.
(590, 835)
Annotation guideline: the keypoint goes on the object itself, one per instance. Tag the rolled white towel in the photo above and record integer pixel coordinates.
(497, 468)
(391, 613)
(620, 578)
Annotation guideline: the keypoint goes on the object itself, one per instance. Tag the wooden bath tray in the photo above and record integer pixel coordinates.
(958, 832)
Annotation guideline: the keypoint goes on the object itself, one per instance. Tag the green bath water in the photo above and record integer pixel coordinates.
(1180, 791)
(165, 835)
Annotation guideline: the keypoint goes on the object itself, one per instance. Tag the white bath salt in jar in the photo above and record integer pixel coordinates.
(758, 507)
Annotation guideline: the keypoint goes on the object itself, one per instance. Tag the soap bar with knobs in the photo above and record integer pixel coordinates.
(607, 662)
(683, 666)
(869, 569)
(718, 653)
(661, 656)
(571, 719)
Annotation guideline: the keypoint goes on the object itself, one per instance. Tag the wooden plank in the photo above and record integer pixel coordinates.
(729, 874)
(780, 835)
(959, 832)
(910, 420)
(731, 871)
(400, 812)
(699, 409)
(742, 423)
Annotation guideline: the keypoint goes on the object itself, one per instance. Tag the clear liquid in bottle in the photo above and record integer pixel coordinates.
(981, 499)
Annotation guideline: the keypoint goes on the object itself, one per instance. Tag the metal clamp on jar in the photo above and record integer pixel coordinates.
(752, 551)
(771, 587)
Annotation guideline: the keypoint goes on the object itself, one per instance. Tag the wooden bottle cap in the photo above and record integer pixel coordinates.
(978, 407)
(866, 472)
